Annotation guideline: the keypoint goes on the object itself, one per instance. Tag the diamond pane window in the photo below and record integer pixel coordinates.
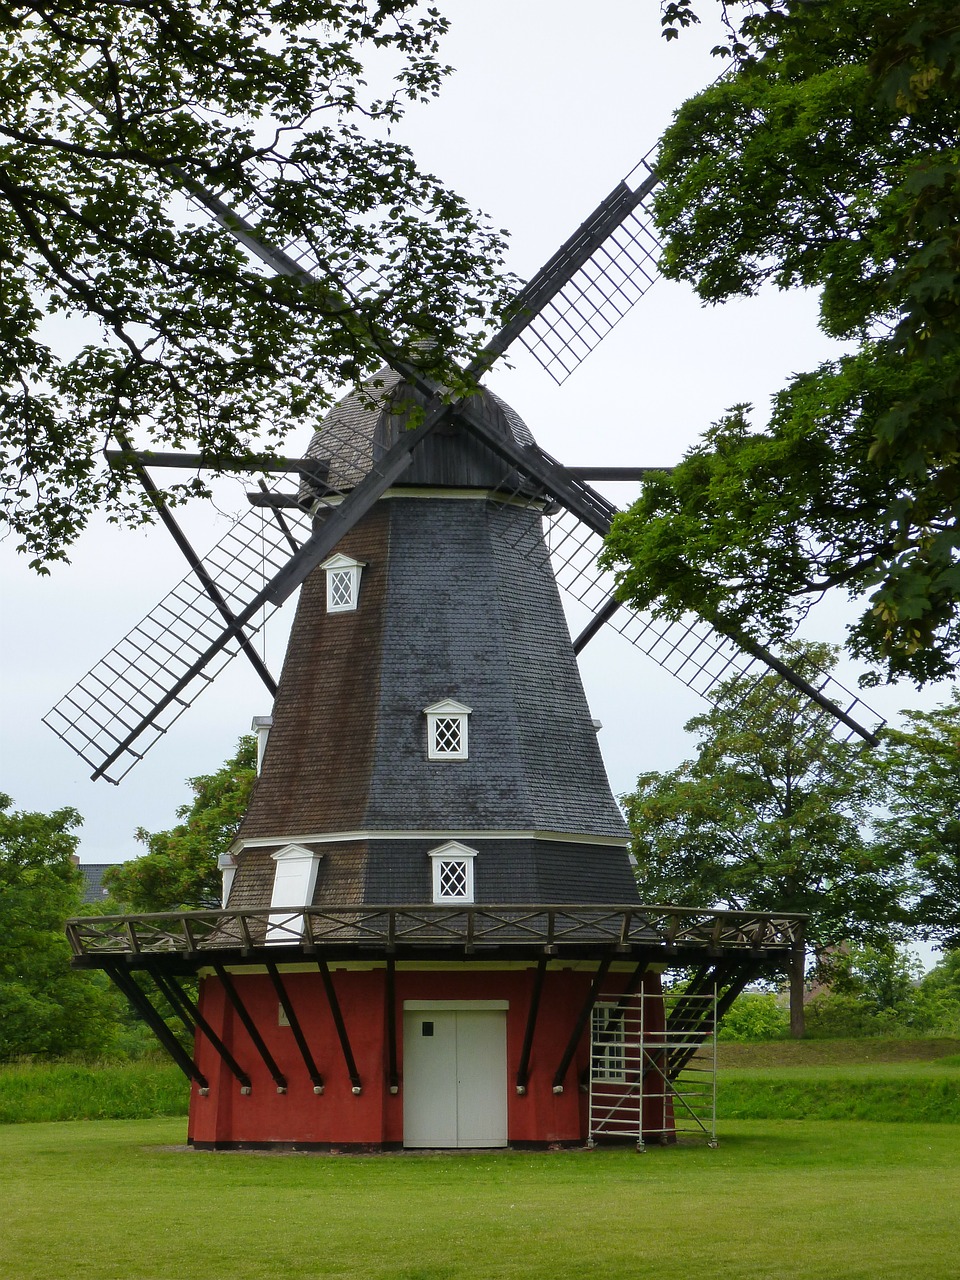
(449, 739)
(453, 872)
(343, 583)
(447, 730)
(452, 879)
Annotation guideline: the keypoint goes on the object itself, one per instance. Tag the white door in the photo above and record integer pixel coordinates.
(455, 1078)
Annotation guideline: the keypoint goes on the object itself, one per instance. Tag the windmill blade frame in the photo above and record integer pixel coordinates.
(585, 279)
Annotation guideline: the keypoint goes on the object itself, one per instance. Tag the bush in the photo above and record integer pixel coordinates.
(755, 1015)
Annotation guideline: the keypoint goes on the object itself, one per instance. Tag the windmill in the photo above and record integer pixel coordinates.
(548, 954)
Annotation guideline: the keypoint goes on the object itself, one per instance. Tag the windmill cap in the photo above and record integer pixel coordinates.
(365, 423)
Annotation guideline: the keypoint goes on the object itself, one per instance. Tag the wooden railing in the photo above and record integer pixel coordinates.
(447, 928)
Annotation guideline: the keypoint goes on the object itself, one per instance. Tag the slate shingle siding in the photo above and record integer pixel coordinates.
(474, 618)
(354, 435)
(340, 875)
(522, 871)
(316, 769)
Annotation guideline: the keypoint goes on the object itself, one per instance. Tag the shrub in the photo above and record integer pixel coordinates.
(755, 1015)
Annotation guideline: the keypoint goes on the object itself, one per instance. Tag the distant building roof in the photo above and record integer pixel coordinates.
(93, 886)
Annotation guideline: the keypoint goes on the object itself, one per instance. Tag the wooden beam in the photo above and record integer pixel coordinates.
(243, 1014)
(581, 1023)
(287, 1005)
(523, 1070)
(151, 1016)
(191, 1017)
(357, 1086)
(312, 468)
(393, 1074)
(616, 473)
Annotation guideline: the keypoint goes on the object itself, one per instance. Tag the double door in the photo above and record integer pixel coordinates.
(454, 1077)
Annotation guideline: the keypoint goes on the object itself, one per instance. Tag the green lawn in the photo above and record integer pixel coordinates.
(779, 1200)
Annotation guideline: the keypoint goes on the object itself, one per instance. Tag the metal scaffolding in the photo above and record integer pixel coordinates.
(653, 1079)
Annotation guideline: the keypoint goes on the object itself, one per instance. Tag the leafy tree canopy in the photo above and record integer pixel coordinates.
(922, 766)
(109, 114)
(179, 870)
(826, 158)
(46, 1008)
(773, 814)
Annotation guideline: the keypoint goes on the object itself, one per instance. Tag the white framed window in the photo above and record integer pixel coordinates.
(294, 881)
(227, 865)
(343, 583)
(447, 730)
(608, 1058)
(452, 873)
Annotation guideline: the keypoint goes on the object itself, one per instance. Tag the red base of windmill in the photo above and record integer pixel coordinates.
(394, 1081)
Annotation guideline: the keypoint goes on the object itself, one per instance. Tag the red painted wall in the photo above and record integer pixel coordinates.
(376, 1116)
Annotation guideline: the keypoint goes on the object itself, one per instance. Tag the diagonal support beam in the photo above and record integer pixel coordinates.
(191, 1017)
(580, 1024)
(357, 1086)
(243, 1014)
(287, 1005)
(390, 996)
(620, 1008)
(151, 1016)
(523, 1070)
(741, 977)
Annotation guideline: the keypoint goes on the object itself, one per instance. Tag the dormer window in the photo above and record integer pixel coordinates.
(453, 873)
(447, 730)
(343, 583)
(294, 881)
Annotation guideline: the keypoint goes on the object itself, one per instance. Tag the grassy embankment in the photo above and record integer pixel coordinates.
(100, 1091)
(883, 1080)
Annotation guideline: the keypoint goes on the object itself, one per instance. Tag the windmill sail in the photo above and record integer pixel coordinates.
(692, 649)
(689, 649)
(132, 696)
(119, 694)
(591, 283)
(129, 699)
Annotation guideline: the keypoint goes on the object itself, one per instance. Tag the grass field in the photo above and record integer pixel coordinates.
(118, 1200)
(860, 1052)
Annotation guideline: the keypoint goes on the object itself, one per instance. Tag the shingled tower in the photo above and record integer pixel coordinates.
(430, 696)
(430, 934)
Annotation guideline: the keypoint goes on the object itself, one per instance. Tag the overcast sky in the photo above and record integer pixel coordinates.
(553, 102)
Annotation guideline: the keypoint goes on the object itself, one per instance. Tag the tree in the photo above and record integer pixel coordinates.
(922, 766)
(111, 114)
(180, 872)
(826, 158)
(773, 814)
(46, 1008)
(938, 996)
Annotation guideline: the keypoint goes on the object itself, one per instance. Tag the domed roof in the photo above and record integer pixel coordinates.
(362, 426)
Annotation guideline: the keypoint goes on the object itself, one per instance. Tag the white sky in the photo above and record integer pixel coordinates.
(551, 105)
